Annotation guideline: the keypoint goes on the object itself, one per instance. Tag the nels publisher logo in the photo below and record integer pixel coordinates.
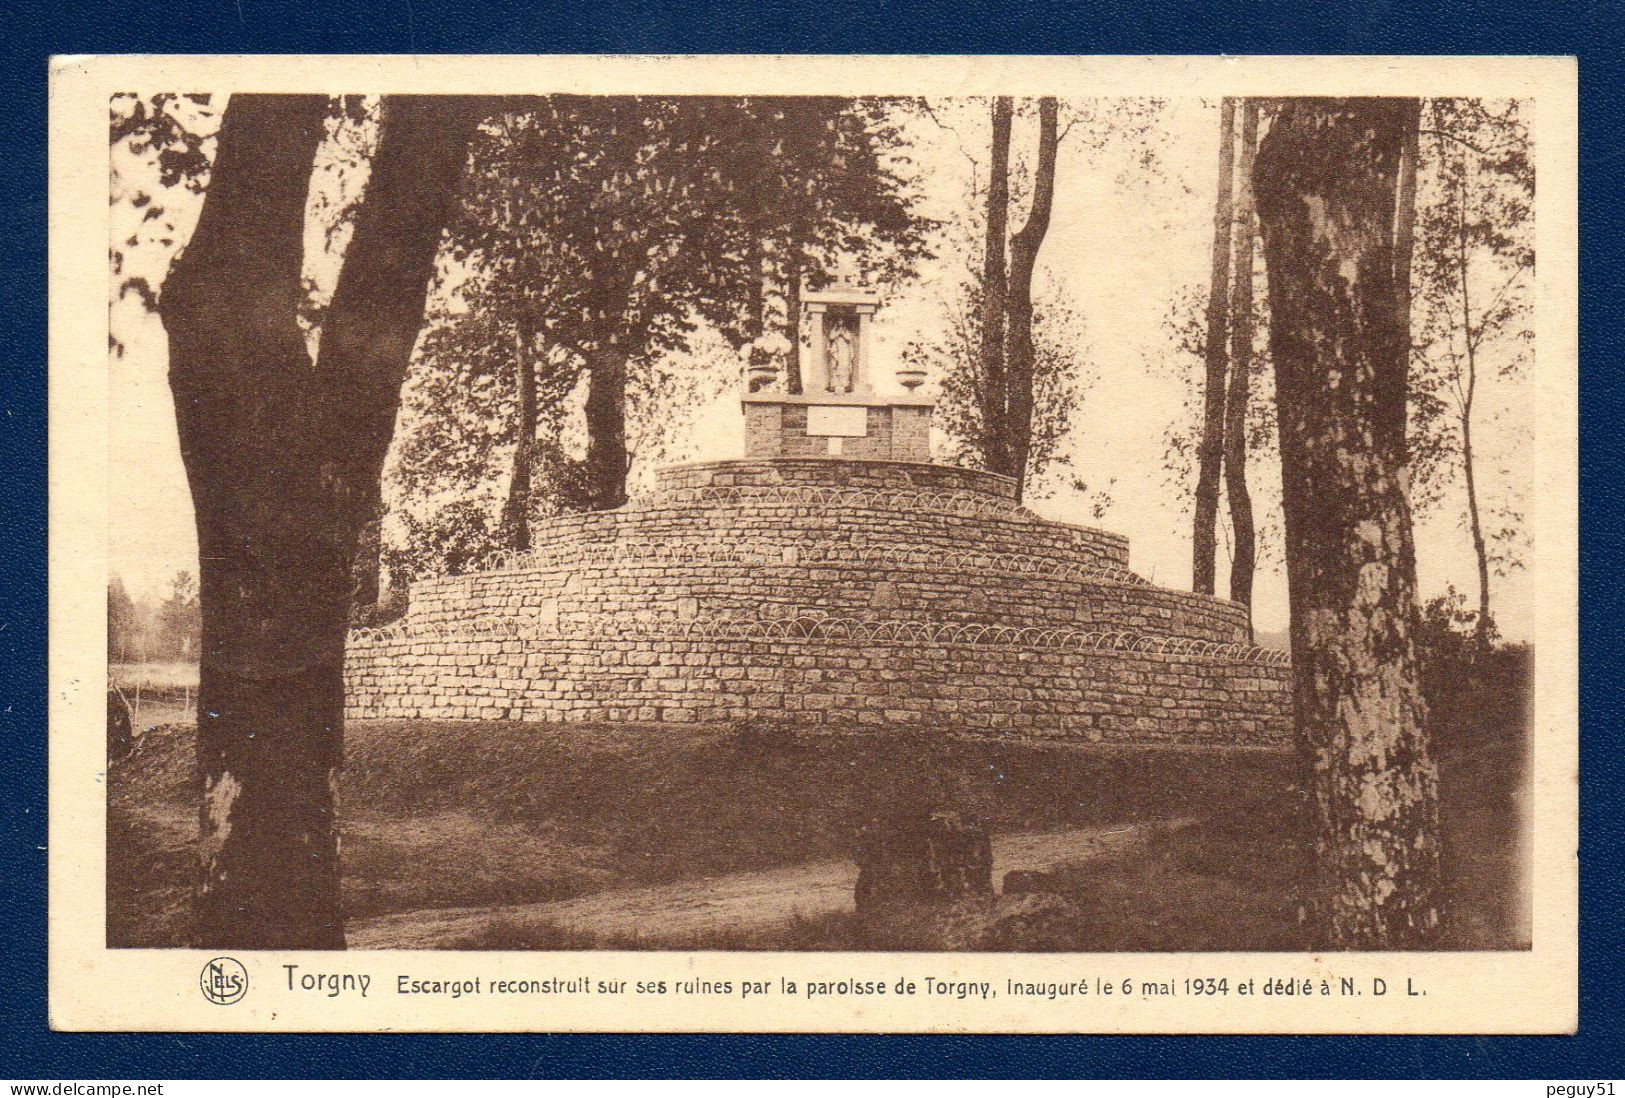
(223, 981)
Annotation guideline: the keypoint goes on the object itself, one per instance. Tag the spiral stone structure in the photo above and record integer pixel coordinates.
(830, 592)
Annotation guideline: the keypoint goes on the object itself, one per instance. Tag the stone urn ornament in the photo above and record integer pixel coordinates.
(910, 377)
(761, 375)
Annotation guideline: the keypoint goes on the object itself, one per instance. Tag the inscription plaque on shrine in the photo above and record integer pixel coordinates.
(839, 421)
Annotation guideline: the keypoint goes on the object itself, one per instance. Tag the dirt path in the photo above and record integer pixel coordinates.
(736, 901)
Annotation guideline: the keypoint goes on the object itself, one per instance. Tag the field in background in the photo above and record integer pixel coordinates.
(154, 677)
(158, 694)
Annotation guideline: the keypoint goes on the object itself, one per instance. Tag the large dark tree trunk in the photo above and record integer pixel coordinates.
(607, 461)
(1020, 361)
(1210, 451)
(516, 509)
(1239, 393)
(1326, 178)
(994, 391)
(283, 458)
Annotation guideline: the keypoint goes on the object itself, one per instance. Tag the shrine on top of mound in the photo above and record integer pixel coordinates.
(838, 413)
(832, 578)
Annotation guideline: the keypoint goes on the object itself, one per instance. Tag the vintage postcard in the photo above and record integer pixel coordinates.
(934, 544)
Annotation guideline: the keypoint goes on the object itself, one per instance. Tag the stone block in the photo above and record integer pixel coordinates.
(914, 856)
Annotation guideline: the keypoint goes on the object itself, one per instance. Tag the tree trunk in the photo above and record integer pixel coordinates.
(365, 566)
(283, 459)
(1480, 549)
(516, 509)
(1210, 452)
(606, 428)
(1469, 393)
(1325, 180)
(792, 323)
(756, 305)
(1239, 393)
(1020, 358)
(1405, 238)
(995, 412)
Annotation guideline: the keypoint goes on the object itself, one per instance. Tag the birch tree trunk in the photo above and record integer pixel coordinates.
(1024, 246)
(1467, 394)
(1239, 391)
(283, 458)
(1210, 451)
(1326, 179)
(1481, 552)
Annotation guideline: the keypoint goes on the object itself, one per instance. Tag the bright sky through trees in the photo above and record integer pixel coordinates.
(1122, 244)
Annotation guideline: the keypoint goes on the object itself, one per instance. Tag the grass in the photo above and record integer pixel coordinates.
(476, 815)
(455, 814)
(835, 931)
(1226, 884)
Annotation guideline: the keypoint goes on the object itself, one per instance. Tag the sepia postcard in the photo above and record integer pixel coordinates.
(814, 544)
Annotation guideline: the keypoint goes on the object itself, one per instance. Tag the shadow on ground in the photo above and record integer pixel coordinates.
(516, 836)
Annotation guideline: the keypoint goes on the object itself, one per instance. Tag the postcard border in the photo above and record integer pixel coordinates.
(24, 504)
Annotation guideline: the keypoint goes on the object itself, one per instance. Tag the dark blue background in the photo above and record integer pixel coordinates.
(35, 30)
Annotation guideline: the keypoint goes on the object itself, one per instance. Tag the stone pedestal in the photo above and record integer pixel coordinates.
(819, 425)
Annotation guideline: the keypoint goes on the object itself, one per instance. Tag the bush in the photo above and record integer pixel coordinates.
(1474, 686)
(453, 540)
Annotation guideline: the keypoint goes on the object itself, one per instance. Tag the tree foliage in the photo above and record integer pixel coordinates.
(180, 621)
(1472, 332)
(621, 245)
(971, 349)
(161, 148)
(124, 642)
(1063, 377)
(1476, 187)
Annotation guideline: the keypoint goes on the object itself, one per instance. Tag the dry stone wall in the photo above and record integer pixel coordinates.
(768, 521)
(675, 588)
(824, 473)
(1106, 695)
(830, 593)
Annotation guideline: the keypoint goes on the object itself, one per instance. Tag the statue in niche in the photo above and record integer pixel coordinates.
(841, 354)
